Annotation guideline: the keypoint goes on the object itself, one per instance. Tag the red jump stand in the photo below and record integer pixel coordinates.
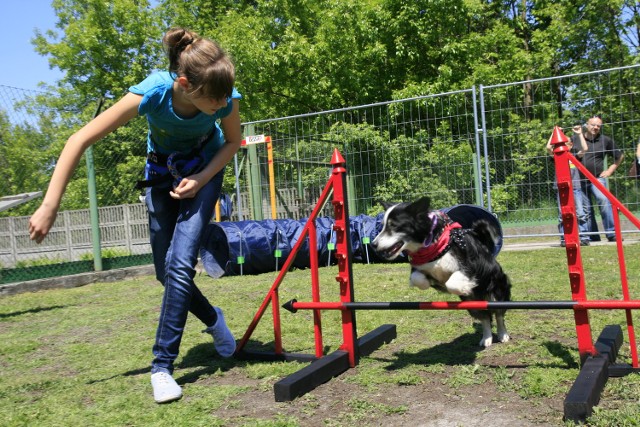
(323, 367)
(598, 361)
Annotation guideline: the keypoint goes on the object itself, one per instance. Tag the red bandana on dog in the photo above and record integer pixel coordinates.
(434, 250)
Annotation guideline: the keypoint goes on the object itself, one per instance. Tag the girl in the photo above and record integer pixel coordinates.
(187, 153)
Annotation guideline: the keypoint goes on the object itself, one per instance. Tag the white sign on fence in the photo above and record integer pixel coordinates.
(255, 139)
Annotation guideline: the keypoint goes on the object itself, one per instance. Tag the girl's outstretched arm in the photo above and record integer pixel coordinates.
(117, 115)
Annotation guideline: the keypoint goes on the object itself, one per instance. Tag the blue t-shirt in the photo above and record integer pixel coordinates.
(168, 132)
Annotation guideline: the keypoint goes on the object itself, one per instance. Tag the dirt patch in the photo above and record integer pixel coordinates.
(431, 400)
(430, 403)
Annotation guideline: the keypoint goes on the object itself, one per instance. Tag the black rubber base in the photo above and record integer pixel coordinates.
(586, 390)
(327, 367)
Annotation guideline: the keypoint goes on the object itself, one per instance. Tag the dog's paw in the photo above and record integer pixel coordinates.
(459, 284)
(486, 341)
(464, 290)
(503, 337)
(419, 280)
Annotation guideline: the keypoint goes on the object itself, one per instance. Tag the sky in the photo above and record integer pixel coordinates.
(23, 67)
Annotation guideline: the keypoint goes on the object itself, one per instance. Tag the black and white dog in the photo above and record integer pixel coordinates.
(447, 257)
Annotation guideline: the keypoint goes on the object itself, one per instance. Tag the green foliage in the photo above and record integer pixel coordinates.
(39, 261)
(25, 158)
(411, 174)
(105, 47)
(413, 186)
(297, 57)
(105, 253)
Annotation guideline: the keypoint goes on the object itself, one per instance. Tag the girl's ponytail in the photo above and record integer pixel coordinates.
(175, 41)
(206, 66)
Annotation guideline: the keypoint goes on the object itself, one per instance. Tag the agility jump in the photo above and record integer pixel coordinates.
(597, 359)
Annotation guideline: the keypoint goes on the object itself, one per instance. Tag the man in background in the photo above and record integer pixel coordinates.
(594, 161)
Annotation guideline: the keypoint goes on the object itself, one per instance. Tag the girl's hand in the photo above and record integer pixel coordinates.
(41, 222)
(187, 189)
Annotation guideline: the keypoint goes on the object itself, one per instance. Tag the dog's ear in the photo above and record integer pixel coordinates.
(422, 205)
(386, 205)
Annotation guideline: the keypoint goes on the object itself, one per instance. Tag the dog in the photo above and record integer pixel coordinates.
(448, 258)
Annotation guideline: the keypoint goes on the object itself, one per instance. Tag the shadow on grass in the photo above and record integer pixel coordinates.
(561, 352)
(134, 372)
(204, 357)
(31, 311)
(462, 350)
(206, 361)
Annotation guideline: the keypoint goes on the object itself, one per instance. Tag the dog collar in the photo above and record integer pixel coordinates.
(434, 220)
(432, 251)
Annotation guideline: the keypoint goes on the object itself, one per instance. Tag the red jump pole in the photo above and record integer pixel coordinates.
(294, 305)
(618, 207)
(343, 255)
(570, 224)
(315, 290)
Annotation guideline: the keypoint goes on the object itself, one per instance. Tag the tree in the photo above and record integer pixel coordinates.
(24, 154)
(303, 56)
(104, 48)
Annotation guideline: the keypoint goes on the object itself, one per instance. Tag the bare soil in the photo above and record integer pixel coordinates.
(430, 403)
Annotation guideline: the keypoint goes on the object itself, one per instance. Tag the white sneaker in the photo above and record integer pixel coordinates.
(165, 388)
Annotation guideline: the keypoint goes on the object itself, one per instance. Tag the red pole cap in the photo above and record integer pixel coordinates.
(337, 158)
(558, 137)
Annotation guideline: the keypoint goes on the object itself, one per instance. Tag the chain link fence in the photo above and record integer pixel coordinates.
(484, 146)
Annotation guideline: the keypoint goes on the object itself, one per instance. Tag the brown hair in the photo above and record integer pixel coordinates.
(206, 66)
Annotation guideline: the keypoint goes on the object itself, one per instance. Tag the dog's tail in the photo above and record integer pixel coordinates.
(486, 233)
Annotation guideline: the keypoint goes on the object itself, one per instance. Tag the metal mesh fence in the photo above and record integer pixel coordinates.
(484, 146)
(13, 105)
(394, 151)
(517, 119)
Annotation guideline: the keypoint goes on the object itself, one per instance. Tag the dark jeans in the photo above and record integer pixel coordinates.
(176, 228)
(606, 210)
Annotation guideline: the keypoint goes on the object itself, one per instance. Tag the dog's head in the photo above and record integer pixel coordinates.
(407, 227)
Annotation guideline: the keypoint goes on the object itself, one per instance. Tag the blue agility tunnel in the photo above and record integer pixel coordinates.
(255, 247)
(363, 230)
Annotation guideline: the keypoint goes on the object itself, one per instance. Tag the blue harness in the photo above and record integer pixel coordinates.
(162, 167)
(175, 166)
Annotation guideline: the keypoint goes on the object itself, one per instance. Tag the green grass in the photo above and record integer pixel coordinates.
(81, 356)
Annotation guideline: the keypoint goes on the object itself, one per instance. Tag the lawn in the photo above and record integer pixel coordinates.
(80, 357)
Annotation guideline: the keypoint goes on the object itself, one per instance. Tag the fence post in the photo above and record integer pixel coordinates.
(13, 240)
(93, 201)
(68, 237)
(126, 216)
(483, 129)
(254, 178)
(477, 166)
(236, 171)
